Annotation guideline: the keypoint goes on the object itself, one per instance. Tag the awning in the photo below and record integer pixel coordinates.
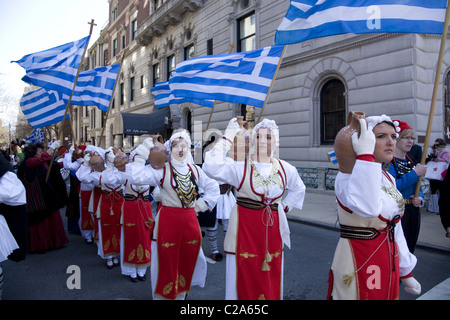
(150, 123)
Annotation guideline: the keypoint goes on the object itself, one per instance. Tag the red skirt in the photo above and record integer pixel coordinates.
(110, 211)
(137, 232)
(87, 222)
(377, 262)
(179, 242)
(48, 234)
(259, 252)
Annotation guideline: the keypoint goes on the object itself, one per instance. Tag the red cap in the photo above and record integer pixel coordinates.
(402, 125)
(82, 147)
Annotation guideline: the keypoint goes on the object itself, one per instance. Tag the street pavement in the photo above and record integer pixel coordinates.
(320, 209)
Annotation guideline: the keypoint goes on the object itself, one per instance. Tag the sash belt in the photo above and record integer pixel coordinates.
(358, 233)
(132, 197)
(255, 205)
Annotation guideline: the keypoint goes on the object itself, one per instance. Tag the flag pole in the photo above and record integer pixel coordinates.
(271, 84)
(70, 98)
(435, 91)
(212, 109)
(111, 100)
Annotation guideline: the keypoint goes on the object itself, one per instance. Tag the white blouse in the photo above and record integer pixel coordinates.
(362, 193)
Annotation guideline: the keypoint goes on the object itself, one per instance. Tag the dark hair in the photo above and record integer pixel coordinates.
(31, 150)
(441, 141)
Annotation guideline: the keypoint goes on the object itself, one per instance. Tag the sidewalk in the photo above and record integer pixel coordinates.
(319, 209)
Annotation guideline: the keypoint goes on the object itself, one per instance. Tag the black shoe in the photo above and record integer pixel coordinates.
(142, 278)
(217, 256)
(115, 262)
(109, 264)
(133, 279)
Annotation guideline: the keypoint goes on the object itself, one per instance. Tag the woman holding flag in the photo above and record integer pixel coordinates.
(258, 228)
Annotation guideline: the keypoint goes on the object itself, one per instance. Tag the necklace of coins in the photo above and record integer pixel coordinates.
(273, 178)
(185, 187)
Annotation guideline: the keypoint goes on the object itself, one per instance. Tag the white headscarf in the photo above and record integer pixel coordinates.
(374, 120)
(269, 124)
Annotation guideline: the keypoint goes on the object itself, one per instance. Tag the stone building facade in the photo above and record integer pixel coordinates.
(318, 83)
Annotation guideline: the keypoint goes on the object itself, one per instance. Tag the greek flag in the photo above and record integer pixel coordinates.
(95, 87)
(243, 77)
(56, 68)
(43, 107)
(37, 135)
(308, 19)
(164, 97)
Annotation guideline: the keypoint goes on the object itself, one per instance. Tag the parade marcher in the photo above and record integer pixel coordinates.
(444, 203)
(222, 210)
(80, 192)
(178, 261)
(258, 227)
(372, 256)
(44, 198)
(438, 156)
(406, 173)
(13, 209)
(108, 209)
(12, 202)
(136, 220)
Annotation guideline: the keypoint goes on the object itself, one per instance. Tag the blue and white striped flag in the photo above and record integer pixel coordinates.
(309, 19)
(243, 77)
(37, 135)
(164, 97)
(56, 68)
(43, 108)
(95, 87)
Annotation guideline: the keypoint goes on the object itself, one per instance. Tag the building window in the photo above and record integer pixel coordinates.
(246, 41)
(142, 81)
(155, 74)
(132, 89)
(332, 110)
(123, 41)
(170, 65)
(188, 120)
(122, 96)
(246, 33)
(189, 52)
(209, 47)
(134, 29)
(114, 47)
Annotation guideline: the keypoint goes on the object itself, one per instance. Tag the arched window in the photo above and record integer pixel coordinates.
(332, 110)
(188, 121)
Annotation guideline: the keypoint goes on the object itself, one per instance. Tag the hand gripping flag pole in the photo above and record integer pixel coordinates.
(61, 128)
(435, 91)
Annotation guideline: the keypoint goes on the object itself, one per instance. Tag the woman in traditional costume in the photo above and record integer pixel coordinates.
(258, 227)
(372, 256)
(73, 161)
(136, 220)
(44, 198)
(177, 257)
(109, 207)
(406, 173)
